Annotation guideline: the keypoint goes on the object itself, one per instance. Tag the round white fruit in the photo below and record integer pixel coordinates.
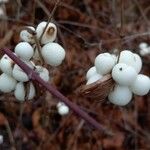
(124, 74)
(49, 34)
(141, 85)
(104, 63)
(6, 64)
(26, 36)
(20, 91)
(91, 72)
(143, 45)
(53, 54)
(94, 78)
(145, 51)
(43, 73)
(7, 83)
(1, 139)
(131, 59)
(137, 65)
(121, 95)
(19, 74)
(62, 109)
(24, 50)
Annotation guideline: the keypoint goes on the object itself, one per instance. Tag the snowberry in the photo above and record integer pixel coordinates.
(131, 59)
(145, 51)
(53, 54)
(124, 74)
(24, 50)
(114, 57)
(143, 45)
(6, 64)
(19, 74)
(141, 85)
(126, 57)
(94, 78)
(49, 34)
(137, 65)
(62, 109)
(26, 36)
(104, 63)
(91, 72)
(21, 91)
(120, 95)
(7, 83)
(43, 73)
(1, 139)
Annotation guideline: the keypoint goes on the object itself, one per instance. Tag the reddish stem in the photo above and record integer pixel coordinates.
(34, 76)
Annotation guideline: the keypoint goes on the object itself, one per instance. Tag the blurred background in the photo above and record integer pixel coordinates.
(85, 29)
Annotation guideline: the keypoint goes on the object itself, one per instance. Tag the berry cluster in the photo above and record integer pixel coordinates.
(125, 70)
(36, 45)
(144, 49)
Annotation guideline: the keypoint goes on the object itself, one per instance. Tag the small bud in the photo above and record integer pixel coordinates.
(62, 109)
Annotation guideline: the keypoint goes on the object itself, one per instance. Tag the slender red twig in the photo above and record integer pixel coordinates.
(35, 77)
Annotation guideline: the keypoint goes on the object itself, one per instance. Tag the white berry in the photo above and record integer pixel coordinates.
(6, 64)
(141, 85)
(121, 95)
(131, 59)
(145, 51)
(62, 109)
(43, 73)
(91, 72)
(126, 57)
(104, 63)
(124, 74)
(53, 54)
(143, 45)
(94, 78)
(19, 74)
(20, 91)
(1, 139)
(7, 83)
(24, 50)
(49, 34)
(26, 36)
(137, 65)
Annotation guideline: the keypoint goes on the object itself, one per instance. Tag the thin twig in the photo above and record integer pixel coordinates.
(18, 9)
(6, 38)
(10, 135)
(35, 77)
